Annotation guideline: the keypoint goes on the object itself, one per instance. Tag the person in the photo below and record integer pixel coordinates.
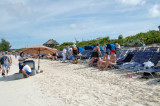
(21, 60)
(54, 56)
(26, 70)
(75, 53)
(103, 61)
(143, 44)
(15, 55)
(111, 61)
(5, 63)
(64, 54)
(69, 52)
(95, 54)
(117, 48)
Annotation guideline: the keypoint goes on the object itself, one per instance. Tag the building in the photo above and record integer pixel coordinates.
(51, 43)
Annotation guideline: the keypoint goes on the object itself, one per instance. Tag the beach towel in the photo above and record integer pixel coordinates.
(148, 64)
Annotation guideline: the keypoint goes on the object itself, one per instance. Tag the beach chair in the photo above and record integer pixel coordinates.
(31, 63)
(151, 70)
(154, 58)
(138, 60)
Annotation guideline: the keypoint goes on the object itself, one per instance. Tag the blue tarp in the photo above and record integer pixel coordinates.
(92, 47)
(80, 49)
(110, 47)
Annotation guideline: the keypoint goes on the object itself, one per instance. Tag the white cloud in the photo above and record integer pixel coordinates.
(73, 26)
(154, 11)
(133, 2)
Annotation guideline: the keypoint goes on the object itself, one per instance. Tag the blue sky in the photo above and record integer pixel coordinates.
(33, 22)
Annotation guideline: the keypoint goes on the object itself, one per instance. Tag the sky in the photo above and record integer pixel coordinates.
(33, 22)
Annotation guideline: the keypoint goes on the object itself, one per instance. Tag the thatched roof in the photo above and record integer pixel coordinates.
(51, 42)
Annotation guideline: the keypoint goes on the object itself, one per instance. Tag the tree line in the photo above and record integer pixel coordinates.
(149, 37)
(4, 45)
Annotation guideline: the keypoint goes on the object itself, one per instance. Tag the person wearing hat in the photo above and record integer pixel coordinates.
(26, 70)
(111, 61)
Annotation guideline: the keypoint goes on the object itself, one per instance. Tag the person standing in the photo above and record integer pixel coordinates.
(75, 54)
(95, 54)
(64, 54)
(21, 60)
(117, 48)
(143, 44)
(5, 63)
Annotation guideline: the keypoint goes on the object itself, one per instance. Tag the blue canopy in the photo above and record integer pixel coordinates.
(91, 47)
(88, 47)
(80, 49)
(112, 46)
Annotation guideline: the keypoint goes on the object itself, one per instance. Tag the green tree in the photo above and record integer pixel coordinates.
(4, 45)
(120, 37)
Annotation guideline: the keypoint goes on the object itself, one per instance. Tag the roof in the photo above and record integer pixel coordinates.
(51, 41)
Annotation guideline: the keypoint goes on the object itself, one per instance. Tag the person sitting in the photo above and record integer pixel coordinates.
(26, 70)
(75, 53)
(111, 61)
(95, 54)
(103, 61)
(54, 56)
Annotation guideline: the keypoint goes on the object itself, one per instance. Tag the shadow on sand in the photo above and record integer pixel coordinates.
(11, 78)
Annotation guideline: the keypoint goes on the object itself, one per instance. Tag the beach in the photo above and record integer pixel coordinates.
(67, 84)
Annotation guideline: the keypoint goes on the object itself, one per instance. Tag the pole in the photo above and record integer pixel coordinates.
(39, 59)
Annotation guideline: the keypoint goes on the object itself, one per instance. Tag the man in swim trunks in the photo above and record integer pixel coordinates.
(95, 54)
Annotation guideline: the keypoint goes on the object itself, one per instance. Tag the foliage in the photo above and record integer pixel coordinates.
(149, 37)
(4, 45)
(120, 37)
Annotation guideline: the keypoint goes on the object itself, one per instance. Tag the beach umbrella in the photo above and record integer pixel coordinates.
(39, 49)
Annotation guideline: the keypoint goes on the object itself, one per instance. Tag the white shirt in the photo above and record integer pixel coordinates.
(118, 46)
(70, 50)
(64, 51)
(26, 68)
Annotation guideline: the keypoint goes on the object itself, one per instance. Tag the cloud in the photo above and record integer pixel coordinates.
(154, 11)
(132, 2)
(73, 26)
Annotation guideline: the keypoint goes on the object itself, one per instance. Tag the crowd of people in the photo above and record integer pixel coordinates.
(109, 58)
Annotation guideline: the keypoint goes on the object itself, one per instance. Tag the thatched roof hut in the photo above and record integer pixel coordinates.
(51, 43)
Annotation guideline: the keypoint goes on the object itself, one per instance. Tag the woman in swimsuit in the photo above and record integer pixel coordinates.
(112, 60)
(95, 54)
(103, 61)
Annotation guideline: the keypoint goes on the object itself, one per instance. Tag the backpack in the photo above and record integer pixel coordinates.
(2, 60)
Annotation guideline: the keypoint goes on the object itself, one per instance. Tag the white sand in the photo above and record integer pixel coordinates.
(66, 84)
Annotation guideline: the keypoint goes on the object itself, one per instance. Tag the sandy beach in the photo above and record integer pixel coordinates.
(66, 84)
